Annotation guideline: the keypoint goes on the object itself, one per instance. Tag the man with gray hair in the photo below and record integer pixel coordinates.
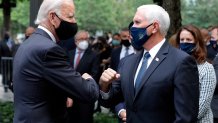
(43, 79)
(159, 84)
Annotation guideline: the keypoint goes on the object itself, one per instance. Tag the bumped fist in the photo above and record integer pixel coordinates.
(107, 77)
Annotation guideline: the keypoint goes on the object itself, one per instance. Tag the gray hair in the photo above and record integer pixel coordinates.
(156, 13)
(81, 31)
(47, 6)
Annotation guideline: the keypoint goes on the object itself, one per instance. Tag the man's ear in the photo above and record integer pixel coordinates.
(52, 18)
(155, 27)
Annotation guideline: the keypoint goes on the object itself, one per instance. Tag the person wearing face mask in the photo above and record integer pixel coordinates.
(43, 79)
(159, 84)
(212, 48)
(115, 40)
(124, 50)
(83, 60)
(191, 41)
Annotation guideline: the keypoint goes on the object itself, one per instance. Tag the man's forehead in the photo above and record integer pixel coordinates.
(82, 35)
(124, 32)
(68, 9)
(139, 16)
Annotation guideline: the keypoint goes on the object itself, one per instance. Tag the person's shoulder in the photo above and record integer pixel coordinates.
(206, 66)
(207, 70)
(71, 52)
(89, 51)
(116, 49)
(129, 57)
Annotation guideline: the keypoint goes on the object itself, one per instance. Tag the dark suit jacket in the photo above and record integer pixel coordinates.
(211, 52)
(4, 49)
(43, 79)
(89, 63)
(214, 102)
(115, 58)
(169, 92)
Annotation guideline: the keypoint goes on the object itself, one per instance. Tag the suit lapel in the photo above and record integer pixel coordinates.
(161, 55)
(72, 57)
(133, 67)
(118, 54)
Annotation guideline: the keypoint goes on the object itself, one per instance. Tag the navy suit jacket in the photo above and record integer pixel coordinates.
(43, 79)
(211, 52)
(89, 63)
(169, 92)
(115, 58)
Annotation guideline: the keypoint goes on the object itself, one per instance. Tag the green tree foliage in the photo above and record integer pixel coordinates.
(91, 15)
(106, 15)
(19, 17)
(202, 13)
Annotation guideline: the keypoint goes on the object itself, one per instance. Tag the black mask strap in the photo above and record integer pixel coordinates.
(58, 17)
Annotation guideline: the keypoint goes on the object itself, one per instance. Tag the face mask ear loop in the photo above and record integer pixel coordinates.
(58, 17)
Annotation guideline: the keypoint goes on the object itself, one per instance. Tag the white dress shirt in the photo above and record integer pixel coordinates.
(123, 51)
(153, 52)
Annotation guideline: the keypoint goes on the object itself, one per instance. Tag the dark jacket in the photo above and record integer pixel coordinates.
(43, 79)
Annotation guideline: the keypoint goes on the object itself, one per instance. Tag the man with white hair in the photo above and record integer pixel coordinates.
(159, 84)
(43, 79)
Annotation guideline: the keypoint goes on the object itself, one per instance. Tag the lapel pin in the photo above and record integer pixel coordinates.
(156, 59)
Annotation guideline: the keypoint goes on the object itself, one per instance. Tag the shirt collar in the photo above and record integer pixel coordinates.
(153, 51)
(49, 33)
(130, 47)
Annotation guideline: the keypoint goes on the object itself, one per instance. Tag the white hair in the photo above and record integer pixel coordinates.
(47, 6)
(156, 13)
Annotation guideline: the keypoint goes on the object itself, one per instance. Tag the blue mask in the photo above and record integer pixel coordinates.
(139, 36)
(115, 42)
(187, 47)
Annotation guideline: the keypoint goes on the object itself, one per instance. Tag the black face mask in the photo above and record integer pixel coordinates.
(126, 43)
(66, 30)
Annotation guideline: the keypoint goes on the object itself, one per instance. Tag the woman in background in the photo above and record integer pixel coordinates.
(190, 40)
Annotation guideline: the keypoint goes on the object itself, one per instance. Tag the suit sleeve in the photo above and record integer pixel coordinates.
(59, 72)
(208, 84)
(119, 107)
(186, 91)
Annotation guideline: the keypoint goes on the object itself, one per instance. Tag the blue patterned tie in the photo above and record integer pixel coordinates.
(142, 70)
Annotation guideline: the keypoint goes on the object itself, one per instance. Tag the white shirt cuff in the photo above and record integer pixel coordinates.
(104, 95)
(120, 112)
